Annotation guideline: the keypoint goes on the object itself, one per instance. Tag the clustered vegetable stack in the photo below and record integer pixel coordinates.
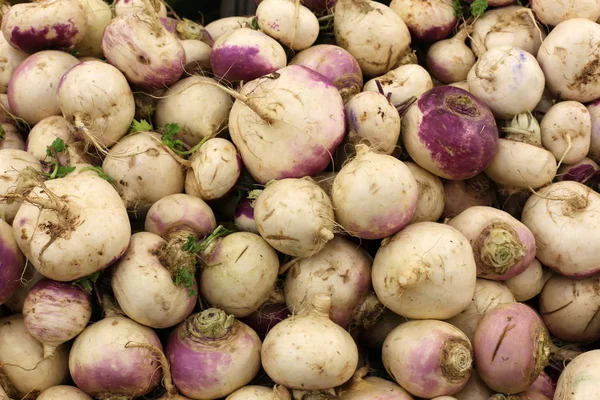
(328, 200)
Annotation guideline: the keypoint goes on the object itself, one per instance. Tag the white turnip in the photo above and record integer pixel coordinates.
(13, 263)
(255, 392)
(219, 27)
(530, 282)
(450, 60)
(579, 379)
(10, 137)
(460, 195)
(123, 7)
(244, 216)
(197, 57)
(566, 131)
(430, 204)
(63, 392)
(99, 15)
(553, 12)
(427, 270)
(46, 131)
(427, 21)
(402, 83)
(12, 164)
(371, 388)
(292, 24)
(10, 60)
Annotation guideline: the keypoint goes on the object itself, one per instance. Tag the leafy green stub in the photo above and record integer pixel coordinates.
(2, 132)
(478, 7)
(458, 8)
(57, 149)
(140, 126)
(254, 24)
(100, 173)
(178, 147)
(87, 283)
(186, 278)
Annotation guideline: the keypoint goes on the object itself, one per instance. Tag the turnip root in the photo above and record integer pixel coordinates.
(560, 216)
(32, 87)
(365, 204)
(569, 308)
(244, 216)
(46, 131)
(502, 245)
(334, 63)
(292, 24)
(63, 392)
(145, 287)
(475, 389)
(23, 362)
(401, 83)
(215, 168)
(509, 80)
(9, 61)
(246, 259)
(143, 50)
(428, 358)
(13, 262)
(488, 295)
(123, 7)
(579, 379)
(212, 354)
(144, 172)
(507, 26)
(47, 24)
(99, 15)
(221, 26)
(521, 162)
(450, 133)
(582, 171)
(210, 107)
(260, 53)
(569, 60)
(108, 358)
(58, 227)
(553, 12)
(10, 138)
(197, 56)
(371, 388)
(566, 131)
(528, 283)
(427, 21)
(430, 203)
(309, 351)
(511, 348)
(276, 143)
(255, 392)
(96, 99)
(450, 60)
(12, 164)
(340, 270)
(360, 24)
(460, 195)
(425, 271)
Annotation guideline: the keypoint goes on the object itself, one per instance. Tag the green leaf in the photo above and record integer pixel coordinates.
(458, 8)
(62, 171)
(254, 24)
(185, 278)
(140, 126)
(168, 138)
(99, 171)
(478, 7)
(58, 146)
(87, 283)
(191, 246)
(2, 132)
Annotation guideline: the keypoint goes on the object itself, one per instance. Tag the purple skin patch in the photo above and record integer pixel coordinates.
(459, 131)
(432, 34)
(57, 36)
(239, 63)
(170, 24)
(244, 208)
(581, 173)
(11, 269)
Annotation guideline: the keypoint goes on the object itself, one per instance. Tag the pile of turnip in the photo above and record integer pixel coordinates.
(328, 199)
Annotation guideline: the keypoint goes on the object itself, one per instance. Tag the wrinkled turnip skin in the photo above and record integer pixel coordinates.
(13, 262)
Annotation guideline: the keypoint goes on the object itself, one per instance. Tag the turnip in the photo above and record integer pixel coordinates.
(488, 295)
(450, 60)
(210, 107)
(289, 22)
(511, 348)
(528, 283)
(10, 138)
(255, 392)
(340, 270)
(502, 245)
(579, 380)
(179, 216)
(427, 270)
(246, 259)
(212, 354)
(430, 204)
(123, 7)
(561, 218)
(460, 195)
(475, 389)
(521, 162)
(334, 63)
(143, 50)
(96, 99)
(276, 142)
(309, 351)
(428, 358)
(46, 131)
(23, 362)
(305, 223)
(594, 110)
(450, 133)
(218, 28)
(55, 312)
(566, 131)
(63, 392)
(509, 80)
(365, 204)
(47, 24)
(402, 83)
(371, 388)
(9, 61)
(108, 359)
(267, 316)
(583, 171)
(59, 226)
(569, 60)
(359, 24)
(12, 164)
(507, 26)
(569, 308)
(32, 87)
(543, 385)
(13, 263)
(553, 12)
(99, 15)
(197, 56)
(143, 171)
(29, 277)
(260, 53)
(427, 21)
(244, 216)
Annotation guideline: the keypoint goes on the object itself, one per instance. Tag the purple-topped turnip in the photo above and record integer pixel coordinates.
(427, 20)
(13, 262)
(123, 7)
(10, 60)
(450, 60)
(292, 24)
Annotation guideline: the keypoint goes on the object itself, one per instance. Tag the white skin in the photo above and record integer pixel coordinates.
(12, 138)
(216, 168)
(402, 82)
(293, 25)
(453, 56)
(99, 14)
(580, 379)
(221, 26)
(12, 163)
(63, 392)
(530, 282)
(421, 16)
(45, 132)
(431, 195)
(566, 131)
(197, 56)
(553, 12)
(11, 58)
(123, 7)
